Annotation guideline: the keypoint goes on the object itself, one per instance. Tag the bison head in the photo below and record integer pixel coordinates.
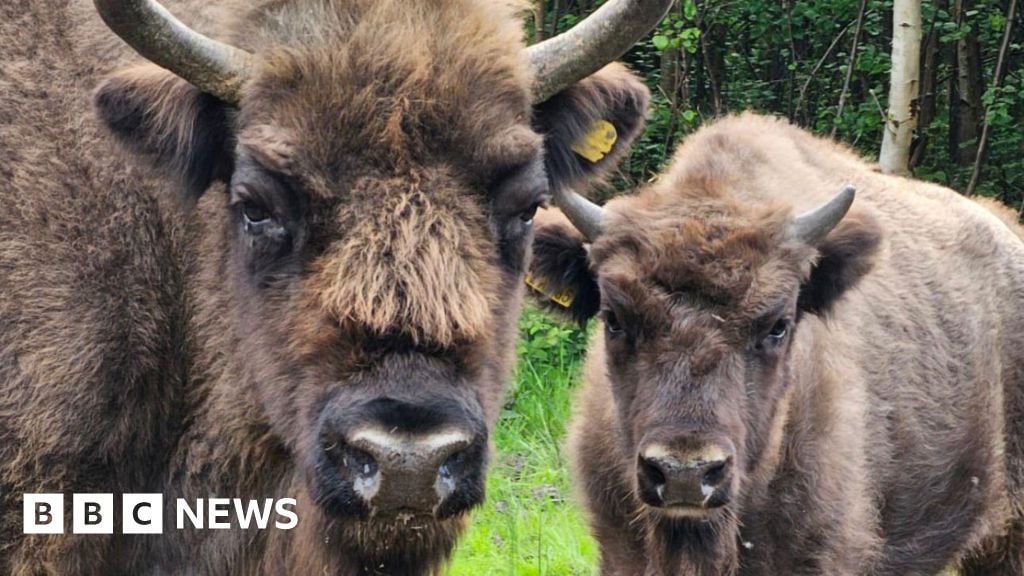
(700, 294)
(366, 174)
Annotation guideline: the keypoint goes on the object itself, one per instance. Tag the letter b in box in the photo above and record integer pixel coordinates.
(43, 514)
(142, 514)
(92, 514)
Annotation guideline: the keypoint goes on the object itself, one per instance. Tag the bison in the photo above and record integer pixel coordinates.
(785, 384)
(308, 286)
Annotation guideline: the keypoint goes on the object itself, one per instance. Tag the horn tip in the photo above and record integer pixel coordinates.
(846, 196)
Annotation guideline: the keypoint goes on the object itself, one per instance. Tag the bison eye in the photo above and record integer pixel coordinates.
(776, 335)
(611, 322)
(254, 213)
(528, 214)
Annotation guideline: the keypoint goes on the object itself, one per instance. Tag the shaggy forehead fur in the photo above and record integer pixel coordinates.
(713, 228)
(392, 83)
(412, 255)
(392, 124)
(710, 254)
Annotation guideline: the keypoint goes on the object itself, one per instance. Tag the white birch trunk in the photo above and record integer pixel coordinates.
(902, 116)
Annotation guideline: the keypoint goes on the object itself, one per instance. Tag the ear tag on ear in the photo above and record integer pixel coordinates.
(596, 143)
(563, 298)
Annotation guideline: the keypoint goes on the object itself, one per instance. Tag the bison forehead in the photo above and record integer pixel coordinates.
(409, 261)
(389, 83)
(713, 252)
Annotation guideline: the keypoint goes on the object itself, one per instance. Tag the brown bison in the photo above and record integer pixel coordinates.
(828, 393)
(308, 291)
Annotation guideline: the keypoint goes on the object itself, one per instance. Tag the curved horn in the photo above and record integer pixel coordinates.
(586, 216)
(601, 38)
(812, 227)
(157, 35)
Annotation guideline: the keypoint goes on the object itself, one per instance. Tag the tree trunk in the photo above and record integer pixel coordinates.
(556, 15)
(711, 39)
(669, 66)
(903, 87)
(931, 58)
(966, 89)
(539, 10)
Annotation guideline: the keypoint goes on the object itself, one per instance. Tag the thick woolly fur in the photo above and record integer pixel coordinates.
(881, 436)
(152, 341)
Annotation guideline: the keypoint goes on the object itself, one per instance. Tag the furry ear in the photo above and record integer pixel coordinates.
(589, 126)
(560, 277)
(173, 124)
(846, 255)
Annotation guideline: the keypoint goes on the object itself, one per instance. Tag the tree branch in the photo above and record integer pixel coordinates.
(849, 65)
(979, 159)
(817, 66)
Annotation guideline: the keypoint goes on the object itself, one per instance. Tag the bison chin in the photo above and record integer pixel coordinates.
(400, 545)
(693, 546)
(408, 545)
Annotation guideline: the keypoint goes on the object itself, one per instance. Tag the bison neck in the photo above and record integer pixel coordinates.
(807, 501)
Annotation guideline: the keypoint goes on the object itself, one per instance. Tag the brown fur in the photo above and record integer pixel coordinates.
(882, 436)
(153, 345)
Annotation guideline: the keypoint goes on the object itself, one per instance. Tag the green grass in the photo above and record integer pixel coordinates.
(530, 524)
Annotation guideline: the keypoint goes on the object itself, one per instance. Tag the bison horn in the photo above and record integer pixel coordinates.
(812, 227)
(586, 216)
(604, 36)
(157, 35)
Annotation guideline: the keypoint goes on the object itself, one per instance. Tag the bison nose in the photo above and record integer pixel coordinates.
(686, 478)
(392, 472)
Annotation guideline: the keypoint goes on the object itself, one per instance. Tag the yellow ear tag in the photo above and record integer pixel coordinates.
(563, 298)
(596, 143)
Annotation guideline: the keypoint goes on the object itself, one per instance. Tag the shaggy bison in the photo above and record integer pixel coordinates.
(308, 290)
(783, 386)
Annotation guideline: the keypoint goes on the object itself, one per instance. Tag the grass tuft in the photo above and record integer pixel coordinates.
(530, 525)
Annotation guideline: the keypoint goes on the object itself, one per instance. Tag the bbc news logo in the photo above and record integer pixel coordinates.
(144, 514)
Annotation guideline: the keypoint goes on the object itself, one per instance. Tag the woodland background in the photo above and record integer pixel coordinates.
(825, 65)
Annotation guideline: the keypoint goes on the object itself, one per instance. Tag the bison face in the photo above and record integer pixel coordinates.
(701, 303)
(361, 270)
(386, 303)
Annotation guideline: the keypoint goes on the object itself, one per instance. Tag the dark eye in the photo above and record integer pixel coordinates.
(777, 333)
(611, 322)
(254, 213)
(528, 214)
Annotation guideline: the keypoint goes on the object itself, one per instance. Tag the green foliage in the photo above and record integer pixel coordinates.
(529, 524)
(1005, 158)
(791, 58)
(547, 343)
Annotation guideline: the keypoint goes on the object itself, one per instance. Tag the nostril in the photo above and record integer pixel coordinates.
(358, 463)
(715, 473)
(450, 472)
(348, 478)
(652, 481)
(652, 472)
(454, 466)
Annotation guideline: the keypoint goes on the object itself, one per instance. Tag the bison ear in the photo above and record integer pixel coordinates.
(560, 278)
(589, 126)
(173, 124)
(845, 256)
